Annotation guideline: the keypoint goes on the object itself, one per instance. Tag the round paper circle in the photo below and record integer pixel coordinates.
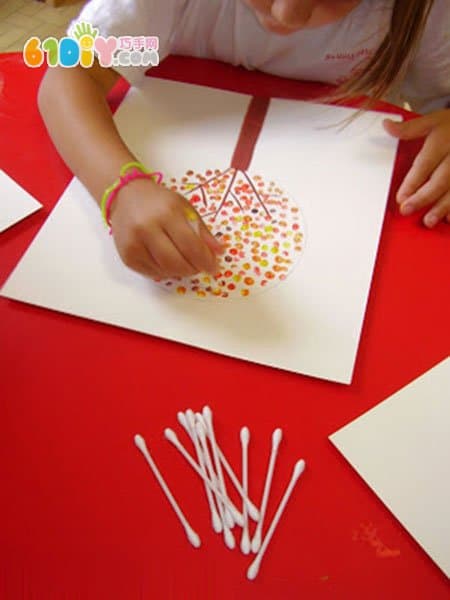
(261, 227)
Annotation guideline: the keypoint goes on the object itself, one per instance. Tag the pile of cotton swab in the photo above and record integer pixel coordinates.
(210, 466)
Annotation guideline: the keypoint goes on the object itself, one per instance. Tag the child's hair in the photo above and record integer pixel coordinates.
(391, 59)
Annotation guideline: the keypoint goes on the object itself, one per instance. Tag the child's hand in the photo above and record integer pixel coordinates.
(154, 237)
(428, 181)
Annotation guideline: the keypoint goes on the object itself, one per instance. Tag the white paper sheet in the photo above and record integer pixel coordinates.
(401, 448)
(15, 202)
(310, 323)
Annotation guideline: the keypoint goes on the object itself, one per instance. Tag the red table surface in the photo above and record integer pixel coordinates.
(81, 515)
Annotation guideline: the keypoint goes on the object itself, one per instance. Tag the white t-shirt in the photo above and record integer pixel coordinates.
(227, 30)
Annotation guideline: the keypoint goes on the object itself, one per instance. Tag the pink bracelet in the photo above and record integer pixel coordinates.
(124, 179)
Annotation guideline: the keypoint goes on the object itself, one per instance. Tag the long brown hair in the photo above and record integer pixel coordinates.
(390, 61)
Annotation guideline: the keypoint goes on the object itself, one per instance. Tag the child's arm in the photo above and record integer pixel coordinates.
(151, 232)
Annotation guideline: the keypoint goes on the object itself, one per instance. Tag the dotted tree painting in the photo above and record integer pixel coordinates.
(260, 225)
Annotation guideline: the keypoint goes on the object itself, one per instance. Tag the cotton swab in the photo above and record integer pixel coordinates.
(230, 542)
(189, 427)
(251, 508)
(276, 439)
(207, 415)
(190, 533)
(207, 469)
(171, 436)
(202, 429)
(245, 539)
(253, 569)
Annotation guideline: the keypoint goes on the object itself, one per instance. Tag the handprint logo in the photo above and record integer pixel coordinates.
(85, 34)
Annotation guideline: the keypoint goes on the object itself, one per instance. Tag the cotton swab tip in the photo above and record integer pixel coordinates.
(253, 569)
(217, 523)
(170, 435)
(193, 538)
(199, 420)
(245, 543)
(230, 542)
(200, 430)
(190, 417)
(276, 437)
(182, 419)
(256, 542)
(252, 511)
(245, 435)
(207, 414)
(299, 468)
(140, 442)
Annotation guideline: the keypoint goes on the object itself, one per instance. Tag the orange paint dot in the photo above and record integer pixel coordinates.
(217, 291)
(249, 281)
(181, 290)
(201, 294)
(245, 292)
(270, 275)
(246, 266)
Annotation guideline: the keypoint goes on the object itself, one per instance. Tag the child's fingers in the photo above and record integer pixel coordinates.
(410, 130)
(168, 258)
(440, 211)
(138, 259)
(213, 243)
(145, 268)
(184, 234)
(436, 187)
(198, 225)
(423, 166)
